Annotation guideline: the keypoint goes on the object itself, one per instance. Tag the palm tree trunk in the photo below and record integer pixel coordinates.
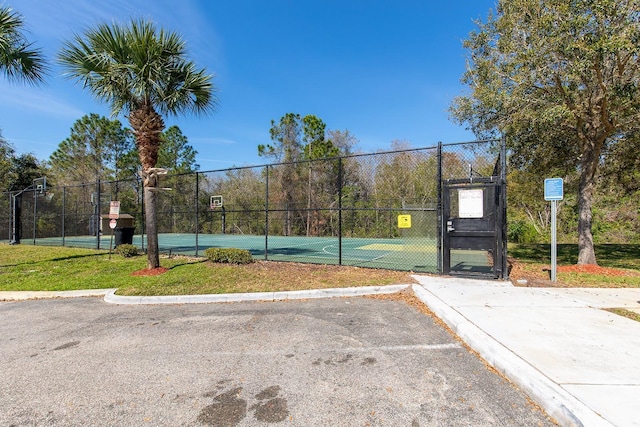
(147, 126)
(150, 198)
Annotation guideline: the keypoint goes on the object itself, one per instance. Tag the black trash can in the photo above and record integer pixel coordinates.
(123, 235)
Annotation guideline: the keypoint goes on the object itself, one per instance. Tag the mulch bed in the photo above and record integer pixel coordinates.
(150, 271)
(593, 269)
(522, 274)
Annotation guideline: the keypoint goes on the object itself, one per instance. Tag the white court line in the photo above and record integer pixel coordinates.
(354, 259)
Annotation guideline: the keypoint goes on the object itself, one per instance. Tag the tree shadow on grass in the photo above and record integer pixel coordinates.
(65, 258)
(607, 254)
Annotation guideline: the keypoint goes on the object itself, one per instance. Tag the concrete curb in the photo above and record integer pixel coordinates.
(27, 295)
(557, 402)
(110, 296)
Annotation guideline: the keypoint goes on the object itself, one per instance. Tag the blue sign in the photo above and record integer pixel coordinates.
(553, 189)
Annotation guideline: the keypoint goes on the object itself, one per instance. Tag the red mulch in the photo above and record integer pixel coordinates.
(522, 274)
(592, 269)
(150, 271)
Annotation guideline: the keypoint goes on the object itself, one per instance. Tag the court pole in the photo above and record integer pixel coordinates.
(96, 219)
(266, 213)
(35, 213)
(197, 208)
(64, 202)
(439, 214)
(340, 211)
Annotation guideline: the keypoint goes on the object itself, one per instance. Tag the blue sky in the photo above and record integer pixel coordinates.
(384, 70)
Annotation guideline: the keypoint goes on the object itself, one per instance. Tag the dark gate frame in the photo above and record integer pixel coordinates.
(487, 233)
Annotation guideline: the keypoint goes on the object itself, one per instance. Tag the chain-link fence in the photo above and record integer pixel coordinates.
(374, 210)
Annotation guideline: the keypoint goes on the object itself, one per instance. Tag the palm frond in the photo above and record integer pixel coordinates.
(19, 60)
(134, 65)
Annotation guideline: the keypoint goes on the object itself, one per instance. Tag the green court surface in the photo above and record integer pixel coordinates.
(411, 254)
(408, 253)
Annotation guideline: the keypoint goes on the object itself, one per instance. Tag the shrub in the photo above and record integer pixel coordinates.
(229, 255)
(127, 250)
(520, 231)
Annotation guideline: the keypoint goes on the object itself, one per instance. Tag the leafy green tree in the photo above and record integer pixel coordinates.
(179, 158)
(623, 168)
(286, 148)
(94, 150)
(24, 169)
(562, 80)
(286, 134)
(243, 191)
(19, 61)
(297, 139)
(175, 153)
(17, 171)
(320, 176)
(6, 154)
(317, 146)
(144, 72)
(406, 178)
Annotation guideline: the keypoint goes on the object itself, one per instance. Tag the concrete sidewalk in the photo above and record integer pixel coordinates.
(579, 362)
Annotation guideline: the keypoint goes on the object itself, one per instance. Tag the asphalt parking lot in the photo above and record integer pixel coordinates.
(339, 362)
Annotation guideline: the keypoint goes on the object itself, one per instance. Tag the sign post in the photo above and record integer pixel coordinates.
(553, 191)
(114, 214)
(112, 225)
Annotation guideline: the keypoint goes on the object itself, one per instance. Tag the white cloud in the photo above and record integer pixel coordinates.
(49, 23)
(219, 141)
(34, 99)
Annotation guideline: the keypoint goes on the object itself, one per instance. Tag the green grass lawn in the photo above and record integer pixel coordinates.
(608, 255)
(40, 268)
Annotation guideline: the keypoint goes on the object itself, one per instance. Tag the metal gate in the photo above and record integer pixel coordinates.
(473, 233)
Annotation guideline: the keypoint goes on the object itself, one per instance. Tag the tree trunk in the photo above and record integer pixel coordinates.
(150, 197)
(147, 126)
(586, 249)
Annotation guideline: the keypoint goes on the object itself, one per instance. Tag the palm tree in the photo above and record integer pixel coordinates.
(18, 61)
(142, 72)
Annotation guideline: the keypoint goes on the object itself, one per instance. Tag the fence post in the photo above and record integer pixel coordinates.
(96, 211)
(35, 214)
(11, 214)
(64, 202)
(340, 211)
(197, 208)
(266, 213)
(439, 213)
(503, 196)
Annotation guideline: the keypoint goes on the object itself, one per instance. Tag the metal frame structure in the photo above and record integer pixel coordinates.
(39, 185)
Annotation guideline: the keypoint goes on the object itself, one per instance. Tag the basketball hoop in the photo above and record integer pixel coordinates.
(215, 202)
(40, 186)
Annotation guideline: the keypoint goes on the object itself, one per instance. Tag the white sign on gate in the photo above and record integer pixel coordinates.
(471, 203)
